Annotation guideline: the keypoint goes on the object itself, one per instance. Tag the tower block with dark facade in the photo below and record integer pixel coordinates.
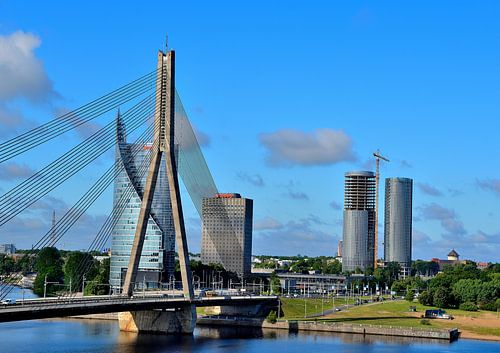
(227, 232)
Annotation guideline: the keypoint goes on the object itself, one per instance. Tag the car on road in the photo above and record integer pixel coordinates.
(6, 302)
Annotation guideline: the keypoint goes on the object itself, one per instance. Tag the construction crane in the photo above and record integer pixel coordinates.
(378, 156)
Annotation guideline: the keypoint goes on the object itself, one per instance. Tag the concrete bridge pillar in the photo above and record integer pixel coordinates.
(181, 320)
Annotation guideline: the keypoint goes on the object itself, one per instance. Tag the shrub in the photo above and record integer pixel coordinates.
(271, 317)
(491, 306)
(468, 306)
(425, 322)
(425, 298)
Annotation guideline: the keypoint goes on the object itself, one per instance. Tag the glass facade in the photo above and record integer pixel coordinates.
(398, 222)
(158, 254)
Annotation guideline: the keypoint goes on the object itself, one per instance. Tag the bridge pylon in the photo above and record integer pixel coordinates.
(163, 143)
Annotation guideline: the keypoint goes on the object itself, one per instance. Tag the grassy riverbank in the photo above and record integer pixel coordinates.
(478, 325)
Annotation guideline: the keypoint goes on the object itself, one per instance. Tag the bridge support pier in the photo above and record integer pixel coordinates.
(181, 320)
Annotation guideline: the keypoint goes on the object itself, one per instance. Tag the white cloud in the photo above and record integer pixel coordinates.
(297, 195)
(335, 205)
(295, 237)
(267, 223)
(12, 170)
(12, 121)
(22, 73)
(447, 217)
(405, 164)
(478, 246)
(254, 179)
(490, 185)
(288, 147)
(429, 189)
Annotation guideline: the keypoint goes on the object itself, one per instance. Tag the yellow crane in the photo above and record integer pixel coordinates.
(378, 157)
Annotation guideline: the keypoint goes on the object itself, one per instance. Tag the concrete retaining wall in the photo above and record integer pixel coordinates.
(450, 335)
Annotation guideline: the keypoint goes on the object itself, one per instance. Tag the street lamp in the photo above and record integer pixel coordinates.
(45, 287)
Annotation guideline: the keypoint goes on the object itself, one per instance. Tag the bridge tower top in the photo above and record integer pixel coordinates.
(164, 121)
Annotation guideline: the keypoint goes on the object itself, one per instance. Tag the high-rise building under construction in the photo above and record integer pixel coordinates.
(358, 240)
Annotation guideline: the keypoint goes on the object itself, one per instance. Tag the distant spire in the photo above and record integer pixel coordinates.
(166, 42)
(121, 133)
(53, 231)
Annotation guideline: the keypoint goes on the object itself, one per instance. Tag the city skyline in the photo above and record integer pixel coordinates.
(324, 96)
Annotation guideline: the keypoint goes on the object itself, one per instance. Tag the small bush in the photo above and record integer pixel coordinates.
(491, 306)
(272, 318)
(468, 306)
(425, 322)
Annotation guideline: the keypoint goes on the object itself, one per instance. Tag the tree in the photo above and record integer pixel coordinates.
(393, 268)
(26, 263)
(488, 291)
(99, 283)
(275, 284)
(443, 298)
(76, 265)
(410, 295)
(424, 268)
(333, 267)
(49, 266)
(7, 265)
(54, 275)
(398, 286)
(467, 290)
(425, 298)
(47, 258)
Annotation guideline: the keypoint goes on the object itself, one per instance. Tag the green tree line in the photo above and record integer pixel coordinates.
(64, 271)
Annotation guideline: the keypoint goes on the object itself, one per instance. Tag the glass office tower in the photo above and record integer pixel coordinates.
(158, 254)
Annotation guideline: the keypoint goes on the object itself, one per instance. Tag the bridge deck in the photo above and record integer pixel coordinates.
(44, 309)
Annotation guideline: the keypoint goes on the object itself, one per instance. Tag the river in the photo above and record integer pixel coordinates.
(72, 335)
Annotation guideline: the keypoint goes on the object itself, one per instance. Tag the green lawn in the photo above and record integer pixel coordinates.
(393, 313)
(296, 308)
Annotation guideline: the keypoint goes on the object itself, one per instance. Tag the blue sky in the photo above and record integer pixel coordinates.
(291, 96)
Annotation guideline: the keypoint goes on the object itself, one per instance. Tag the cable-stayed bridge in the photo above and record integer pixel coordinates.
(157, 116)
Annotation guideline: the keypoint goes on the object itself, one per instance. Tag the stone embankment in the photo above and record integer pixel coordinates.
(449, 334)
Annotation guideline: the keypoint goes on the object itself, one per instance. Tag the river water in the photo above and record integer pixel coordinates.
(71, 335)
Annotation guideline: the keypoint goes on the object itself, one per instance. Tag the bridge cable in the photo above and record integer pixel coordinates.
(80, 207)
(65, 166)
(77, 117)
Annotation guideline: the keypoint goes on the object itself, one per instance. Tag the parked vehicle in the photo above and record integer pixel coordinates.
(437, 314)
